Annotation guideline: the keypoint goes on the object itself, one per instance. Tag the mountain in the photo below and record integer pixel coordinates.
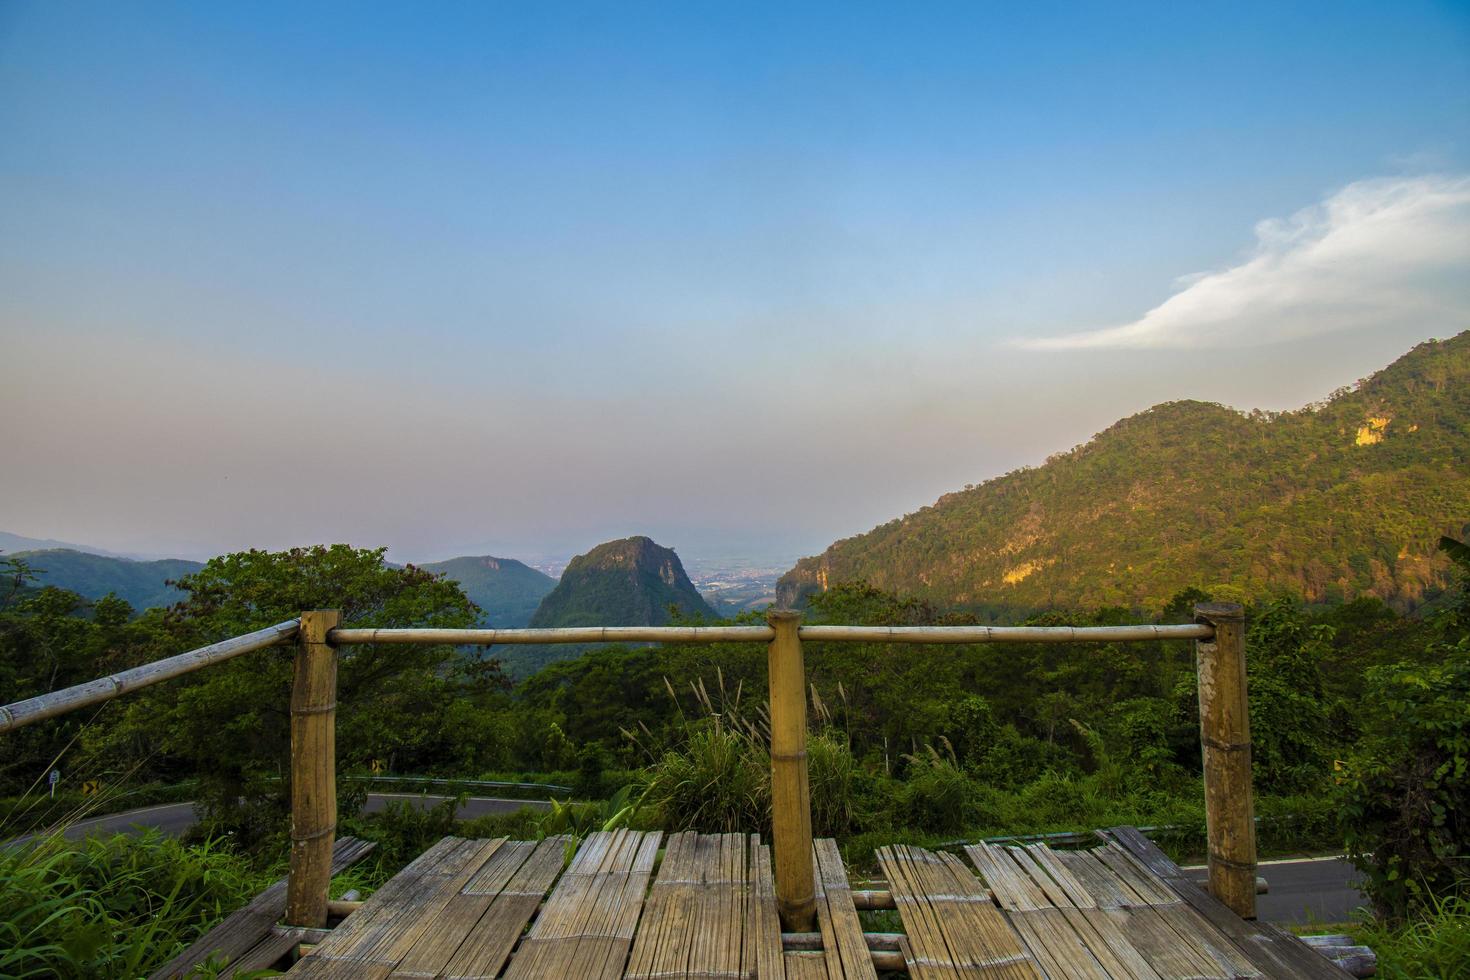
(507, 590)
(1339, 499)
(631, 582)
(10, 543)
(141, 583)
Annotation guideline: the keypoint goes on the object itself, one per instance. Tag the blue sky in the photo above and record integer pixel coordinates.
(522, 277)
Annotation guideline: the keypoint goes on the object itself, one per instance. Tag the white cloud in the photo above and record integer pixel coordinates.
(1377, 252)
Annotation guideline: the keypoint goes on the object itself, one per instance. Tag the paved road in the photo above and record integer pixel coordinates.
(1305, 891)
(175, 818)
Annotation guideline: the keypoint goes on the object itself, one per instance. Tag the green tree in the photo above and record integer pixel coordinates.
(1406, 794)
(229, 724)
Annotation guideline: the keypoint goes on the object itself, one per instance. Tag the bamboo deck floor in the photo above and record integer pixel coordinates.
(628, 904)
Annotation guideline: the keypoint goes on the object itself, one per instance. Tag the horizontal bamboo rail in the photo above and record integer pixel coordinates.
(764, 634)
(563, 634)
(1002, 634)
(45, 706)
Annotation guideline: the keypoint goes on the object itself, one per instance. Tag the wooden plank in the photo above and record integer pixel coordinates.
(1270, 951)
(953, 928)
(805, 965)
(266, 953)
(709, 912)
(842, 931)
(1061, 952)
(372, 940)
(438, 943)
(588, 923)
(764, 949)
(245, 928)
(1098, 933)
(484, 951)
(1172, 956)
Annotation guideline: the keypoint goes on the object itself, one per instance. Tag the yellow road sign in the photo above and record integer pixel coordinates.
(91, 787)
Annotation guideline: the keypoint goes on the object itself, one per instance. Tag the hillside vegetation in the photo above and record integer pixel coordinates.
(507, 591)
(142, 584)
(1334, 501)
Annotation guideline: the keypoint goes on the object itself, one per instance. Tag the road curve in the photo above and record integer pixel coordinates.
(175, 818)
(1305, 891)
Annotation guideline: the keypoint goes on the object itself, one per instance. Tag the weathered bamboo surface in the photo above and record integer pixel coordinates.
(706, 916)
(705, 906)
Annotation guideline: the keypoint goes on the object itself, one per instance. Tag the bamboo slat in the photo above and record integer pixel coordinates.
(953, 928)
(462, 914)
(588, 923)
(1056, 945)
(764, 928)
(371, 941)
(1273, 952)
(842, 932)
(1062, 925)
(805, 965)
(705, 915)
(233, 938)
(484, 951)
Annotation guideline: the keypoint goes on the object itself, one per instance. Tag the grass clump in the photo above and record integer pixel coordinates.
(112, 906)
(1434, 944)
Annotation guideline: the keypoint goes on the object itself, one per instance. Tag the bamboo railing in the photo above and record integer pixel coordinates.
(1220, 663)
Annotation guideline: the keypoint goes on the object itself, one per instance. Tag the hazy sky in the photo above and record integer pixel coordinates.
(523, 277)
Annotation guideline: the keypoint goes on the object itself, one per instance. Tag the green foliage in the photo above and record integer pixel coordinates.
(229, 725)
(1189, 494)
(111, 907)
(1406, 795)
(1433, 944)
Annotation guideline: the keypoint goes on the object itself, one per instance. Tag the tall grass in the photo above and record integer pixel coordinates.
(1434, 945)
(112, 907)
(714, 774)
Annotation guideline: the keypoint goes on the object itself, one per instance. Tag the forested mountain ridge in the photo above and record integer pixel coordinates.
(1333, 501)
(630, 582)
(507, 591)
(143, 584)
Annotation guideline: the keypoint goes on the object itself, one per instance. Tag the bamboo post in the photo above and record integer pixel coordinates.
(791, 800)
(1225, 734)
(313, 770)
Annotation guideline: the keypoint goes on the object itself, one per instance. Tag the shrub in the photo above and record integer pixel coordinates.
(937, 796)
(717, 781)
(1405, 796)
